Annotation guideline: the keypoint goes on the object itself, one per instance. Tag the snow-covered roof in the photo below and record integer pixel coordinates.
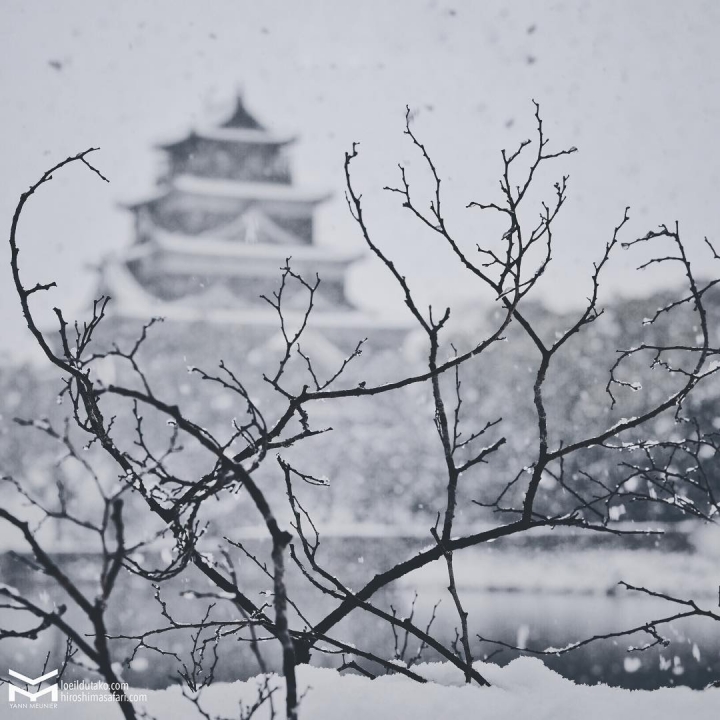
(247, 190)
(195, 185)
(129, 299)
(251, 316)
(244, 135)
(184, 264)
(215, 247)
(240, 126)
(229, 134)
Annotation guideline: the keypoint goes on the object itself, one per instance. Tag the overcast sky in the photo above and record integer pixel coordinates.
(634, 85)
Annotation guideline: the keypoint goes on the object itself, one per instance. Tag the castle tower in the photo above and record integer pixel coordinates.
(213, 239)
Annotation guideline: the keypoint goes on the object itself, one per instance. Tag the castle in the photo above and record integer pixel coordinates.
(208, 244)
(213, 238)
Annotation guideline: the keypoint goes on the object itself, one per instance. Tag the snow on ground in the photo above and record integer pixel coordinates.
(524, 688)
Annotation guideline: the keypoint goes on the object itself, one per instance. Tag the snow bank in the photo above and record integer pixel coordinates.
(524, 688)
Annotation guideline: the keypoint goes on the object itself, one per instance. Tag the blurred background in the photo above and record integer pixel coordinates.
(633, 86)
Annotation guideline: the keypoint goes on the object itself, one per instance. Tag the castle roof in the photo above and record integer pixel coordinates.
(176, 254)
(216, 247)
(131, 300)
(215, 235)
(247, 136)
(218, 187)
(221, 188)
(240, 127)
(241, 118)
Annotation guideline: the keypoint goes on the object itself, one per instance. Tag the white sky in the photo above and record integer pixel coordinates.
(634, 85)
